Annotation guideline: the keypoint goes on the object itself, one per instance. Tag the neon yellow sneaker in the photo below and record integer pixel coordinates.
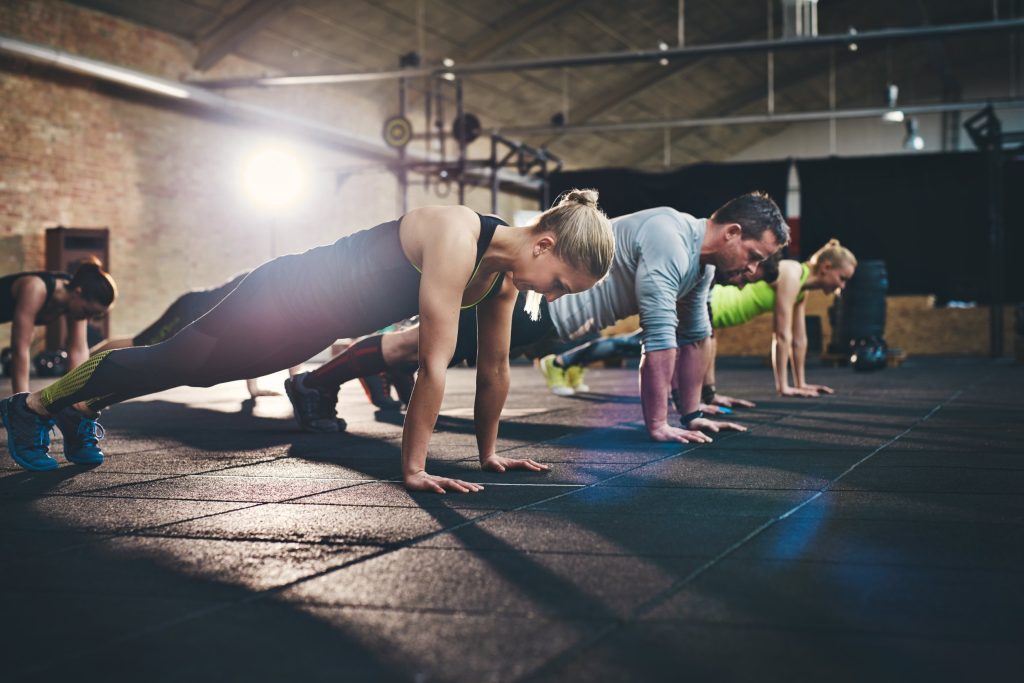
(554, 376)
(574, 377)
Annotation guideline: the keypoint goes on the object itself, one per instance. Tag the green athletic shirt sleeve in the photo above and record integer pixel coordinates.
(731, 305)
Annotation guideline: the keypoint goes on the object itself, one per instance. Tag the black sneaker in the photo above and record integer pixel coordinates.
(378, 392)
(81, 437)
(328, 409)
(310, 406)
(28, 435)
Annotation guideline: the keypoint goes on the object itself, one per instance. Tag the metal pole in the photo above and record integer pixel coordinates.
(652, 56)
(461, 139)
(403, 173)
(181, 92)
(545, 187)
(494, 174)
(832, 138)
(996, 234)
(428, 126)
(681, 27)
(771, 60)
(793, 117)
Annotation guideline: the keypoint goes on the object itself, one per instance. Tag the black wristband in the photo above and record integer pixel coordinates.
(707, 393)
(685, 419)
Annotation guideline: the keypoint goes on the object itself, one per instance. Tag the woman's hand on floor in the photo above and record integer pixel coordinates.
(730, 402)
(421, 481)
(498, 463)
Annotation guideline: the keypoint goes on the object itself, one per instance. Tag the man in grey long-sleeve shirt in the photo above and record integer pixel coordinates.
(662, 257)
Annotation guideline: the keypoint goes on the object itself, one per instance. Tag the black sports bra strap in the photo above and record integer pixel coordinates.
(488, 224)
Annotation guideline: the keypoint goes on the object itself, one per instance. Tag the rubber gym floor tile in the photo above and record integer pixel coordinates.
(355, 469)
(181, 461)
(910, 542)
(254, 566)
(252, 641)
(495, 496)
(107, 570)
(463, 648)
(641, 454)
(682, 502)
(785, 460)
(353, 525)
(932, 479)
(114, 515)
(921, 602)
(79, 624)
(224, 488)
(672, 651)
(967, 441)
(702, 471)
(898, 456)
(496, 583)
(36, 545)
(601, 533)
(789, 442)
(560, 474)
(952, 507)
(68, 480)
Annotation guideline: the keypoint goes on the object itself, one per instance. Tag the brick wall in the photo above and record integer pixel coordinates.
(164, 179)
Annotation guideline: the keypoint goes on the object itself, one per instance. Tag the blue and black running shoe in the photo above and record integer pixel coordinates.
(28, 435)
(81, 437)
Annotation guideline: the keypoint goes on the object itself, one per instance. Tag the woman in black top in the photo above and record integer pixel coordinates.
(39, 298)
(429, 263)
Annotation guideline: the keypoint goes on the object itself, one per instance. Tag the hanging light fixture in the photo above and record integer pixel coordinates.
(913, 140)
(894, 115)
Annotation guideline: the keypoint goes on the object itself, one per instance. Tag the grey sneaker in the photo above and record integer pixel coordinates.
(28, 435)
(81, 437)
(314, 412)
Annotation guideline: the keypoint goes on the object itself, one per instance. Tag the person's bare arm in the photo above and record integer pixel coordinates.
(799, 343)
(494, 329)
(800, 352)
(690, 367)
(448, 248)
(787, 288)
(656, 369)
(29, 298)
(78, 342)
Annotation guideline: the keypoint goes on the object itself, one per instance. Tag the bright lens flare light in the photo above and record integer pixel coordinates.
(274, 177)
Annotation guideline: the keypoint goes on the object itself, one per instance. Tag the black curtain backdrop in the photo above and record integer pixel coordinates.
(925, 215)
(697, 189)
(1013, 220)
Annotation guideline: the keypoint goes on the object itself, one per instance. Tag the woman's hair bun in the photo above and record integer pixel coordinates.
(584, 197)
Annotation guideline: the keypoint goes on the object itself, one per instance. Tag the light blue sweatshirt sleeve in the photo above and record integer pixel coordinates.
(662, 270)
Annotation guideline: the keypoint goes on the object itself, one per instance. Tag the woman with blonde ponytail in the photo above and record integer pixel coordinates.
(432, 262)
(827, 270)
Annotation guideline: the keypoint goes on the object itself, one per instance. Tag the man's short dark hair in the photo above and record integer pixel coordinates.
(755, 212)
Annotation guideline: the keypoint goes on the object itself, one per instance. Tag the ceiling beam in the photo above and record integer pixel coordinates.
(509, 30)
(739, 101)
(610, 98)
(640, 56)
(235, 29)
